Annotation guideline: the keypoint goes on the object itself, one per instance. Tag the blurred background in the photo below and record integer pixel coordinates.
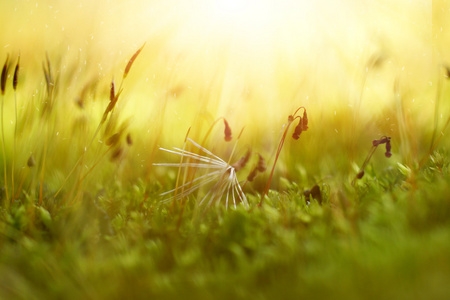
(363, 69)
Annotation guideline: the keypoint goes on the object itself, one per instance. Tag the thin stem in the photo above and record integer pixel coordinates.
(435, 141)
(14, 146)
(102, 121)
(210, 129)
(436, 113)
(41, 187)
(19, 189)
(4, 152)
(366, 161)
(79, 160)
(178, 179)
(95, 164)
(234, 147)
(434, 145)
(280, 146)
(291, 119)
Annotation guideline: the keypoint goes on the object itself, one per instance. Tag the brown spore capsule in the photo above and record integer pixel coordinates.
(242, 161)
(31, 162)
(360, 174)
(305, 121)
(4, 75)
(16, 74)
(261, 165)
(113, 140)
(112, 91)
(129, 140)
(298, 130)
(251, 176)
(227, 131)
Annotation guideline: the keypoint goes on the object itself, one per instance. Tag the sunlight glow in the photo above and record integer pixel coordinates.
(241, 13)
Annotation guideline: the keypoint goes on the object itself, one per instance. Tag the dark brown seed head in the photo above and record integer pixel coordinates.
(316, 194)
(112, 92)
(447, 71)
(16, 74)
(116, 154)
(131, 61)
(227, 131)
(31, 162)
(305, 120)
(113, 140)
(306, 193)
(110, 107)
(360, 174)
(388, 146)
(261, 166)
(129, 140)
(242, 161)
(298, 130)
(4, 75)
(251, 176)
(388, 149)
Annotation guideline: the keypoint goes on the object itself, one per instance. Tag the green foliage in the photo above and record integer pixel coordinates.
(378, 240)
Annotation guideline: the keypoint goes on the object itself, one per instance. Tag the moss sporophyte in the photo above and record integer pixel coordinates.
(375, 143)
(222, 174)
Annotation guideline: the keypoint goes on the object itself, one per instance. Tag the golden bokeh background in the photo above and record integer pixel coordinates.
(253, 62)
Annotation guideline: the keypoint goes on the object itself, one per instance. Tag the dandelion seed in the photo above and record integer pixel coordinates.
(220, 174)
